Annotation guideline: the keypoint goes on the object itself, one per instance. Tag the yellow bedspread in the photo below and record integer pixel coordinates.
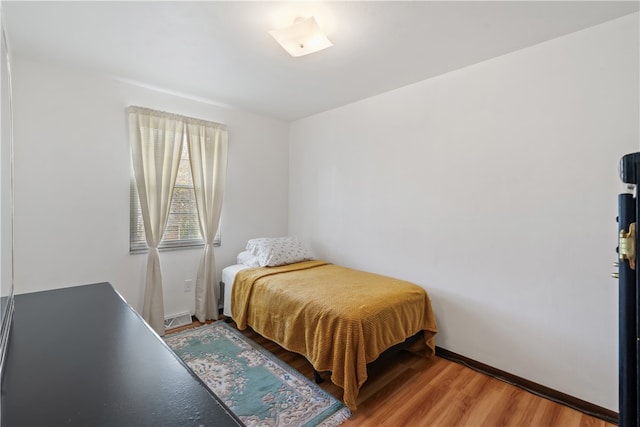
(340, 319)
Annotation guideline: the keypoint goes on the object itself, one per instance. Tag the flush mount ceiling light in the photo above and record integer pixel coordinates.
(302, 38)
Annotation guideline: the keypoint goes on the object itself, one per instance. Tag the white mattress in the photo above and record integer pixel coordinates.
(228, 277)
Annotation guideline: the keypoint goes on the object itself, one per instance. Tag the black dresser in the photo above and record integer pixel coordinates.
(82, 356)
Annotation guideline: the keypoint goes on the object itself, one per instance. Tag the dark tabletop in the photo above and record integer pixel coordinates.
(82, 356)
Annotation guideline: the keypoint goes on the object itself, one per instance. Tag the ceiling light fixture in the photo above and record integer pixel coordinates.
(302, 38)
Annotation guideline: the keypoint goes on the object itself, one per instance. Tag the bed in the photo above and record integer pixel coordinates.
(339, 318)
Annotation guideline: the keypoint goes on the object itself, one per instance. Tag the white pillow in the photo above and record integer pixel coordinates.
(247, 258)
(274, 251)
(255, 245)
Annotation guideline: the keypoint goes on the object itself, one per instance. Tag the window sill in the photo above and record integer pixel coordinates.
(172, 248)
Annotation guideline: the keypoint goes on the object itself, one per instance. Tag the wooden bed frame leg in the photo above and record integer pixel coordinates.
(316, 376)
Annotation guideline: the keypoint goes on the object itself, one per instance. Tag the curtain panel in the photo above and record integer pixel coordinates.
(156, 143)
(207, 143)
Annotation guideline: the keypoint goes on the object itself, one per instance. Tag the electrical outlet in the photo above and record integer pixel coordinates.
(188, 285)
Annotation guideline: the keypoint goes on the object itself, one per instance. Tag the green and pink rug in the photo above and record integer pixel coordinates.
(257, 386)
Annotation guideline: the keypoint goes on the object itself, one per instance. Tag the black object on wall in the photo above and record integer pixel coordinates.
(629, 302)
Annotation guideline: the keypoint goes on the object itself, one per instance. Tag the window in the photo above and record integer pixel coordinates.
(183, 229)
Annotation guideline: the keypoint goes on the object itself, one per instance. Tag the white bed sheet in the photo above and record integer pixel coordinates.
(228, 277)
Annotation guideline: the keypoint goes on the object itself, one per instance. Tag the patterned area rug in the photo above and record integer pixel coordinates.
(257, 386)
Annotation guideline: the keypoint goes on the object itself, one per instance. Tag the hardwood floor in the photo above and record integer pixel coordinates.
(407, 390)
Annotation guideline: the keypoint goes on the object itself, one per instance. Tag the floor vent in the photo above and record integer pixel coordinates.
(178, 320)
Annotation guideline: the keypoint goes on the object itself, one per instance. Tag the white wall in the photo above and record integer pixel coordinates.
(72, 169)
(495, 188)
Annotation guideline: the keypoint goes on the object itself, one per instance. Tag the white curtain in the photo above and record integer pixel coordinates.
(207, 144)
(156, 143)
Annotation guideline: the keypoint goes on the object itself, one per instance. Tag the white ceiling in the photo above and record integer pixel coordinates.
(221, 51)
